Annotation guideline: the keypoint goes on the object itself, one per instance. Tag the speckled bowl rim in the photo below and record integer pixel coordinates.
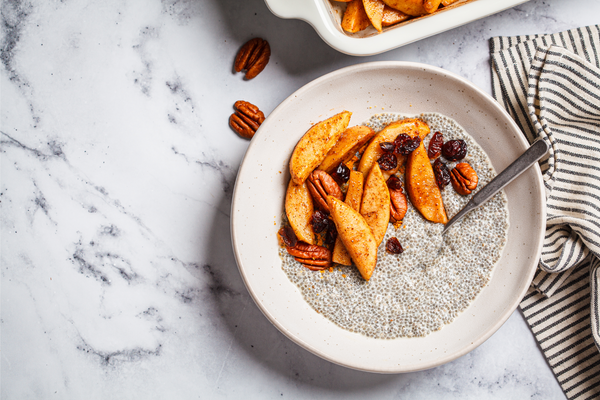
(277, 297)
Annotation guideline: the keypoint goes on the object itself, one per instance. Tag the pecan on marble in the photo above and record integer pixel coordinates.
(313, 257)
(320, 185)
(253, 57)
(246, 119)
(464, 179)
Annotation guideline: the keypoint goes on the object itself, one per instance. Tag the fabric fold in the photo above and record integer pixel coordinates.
(564, 107)
(550, 85)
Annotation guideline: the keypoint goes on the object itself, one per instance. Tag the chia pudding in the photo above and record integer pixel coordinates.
(435, 278)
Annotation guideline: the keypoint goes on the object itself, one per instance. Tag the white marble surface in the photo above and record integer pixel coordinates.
(117, 163)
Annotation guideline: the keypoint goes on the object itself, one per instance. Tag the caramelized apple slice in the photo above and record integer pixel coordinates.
(375, 206)
(431, 5)
(356, 236)
(353, 199)
(355, 17)
(414, 7)
(391, 16)
(315, 144)
(422, 189)
(410, 126)
(374, 10)
(299, 210)
(350, 142)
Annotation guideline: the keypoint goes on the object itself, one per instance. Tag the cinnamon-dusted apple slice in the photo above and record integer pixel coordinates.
(410, 126)
(355, 18)
(391, 16)
(422, 189)
(353, 199)
(315, 144)
(414, 7)
(374, 10)
(431, 5)
(350, 142)
(299, 209)
(375, 205)
(356, 235)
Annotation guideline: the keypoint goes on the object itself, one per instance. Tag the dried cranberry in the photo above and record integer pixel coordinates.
(331, 234)
(442, 173)
(401, 139)
(394, 183)
(393, 246)
(319, 221)
(387, 147)
(454, 150)
(288, 236)
(341, 173)
(405, 144)
(387, 162)
(435, 145)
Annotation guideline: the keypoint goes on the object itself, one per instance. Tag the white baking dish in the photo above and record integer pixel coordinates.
(325, 17)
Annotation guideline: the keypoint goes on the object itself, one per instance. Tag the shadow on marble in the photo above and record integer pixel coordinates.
(252, 18)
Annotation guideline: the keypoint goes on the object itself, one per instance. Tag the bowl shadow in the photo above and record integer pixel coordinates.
(251, 332)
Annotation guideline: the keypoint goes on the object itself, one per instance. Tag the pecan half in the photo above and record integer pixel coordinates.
(253, 57)
(288, 236)
(320, 185)
(312, 256)
(464, 178)
(398, 205)
(246, 119)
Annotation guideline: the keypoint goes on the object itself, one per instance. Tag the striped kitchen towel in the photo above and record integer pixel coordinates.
(550, 85)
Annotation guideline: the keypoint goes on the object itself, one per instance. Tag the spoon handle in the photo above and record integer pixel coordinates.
(526, 160)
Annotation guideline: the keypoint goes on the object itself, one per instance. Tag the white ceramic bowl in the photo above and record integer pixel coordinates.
(366, 89)
(325, 17)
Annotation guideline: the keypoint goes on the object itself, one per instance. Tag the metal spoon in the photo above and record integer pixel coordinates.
(526, 160)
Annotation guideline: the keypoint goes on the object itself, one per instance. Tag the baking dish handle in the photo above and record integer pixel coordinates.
(306, 10)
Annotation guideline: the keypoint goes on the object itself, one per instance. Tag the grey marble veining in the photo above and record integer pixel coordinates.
(117, 171)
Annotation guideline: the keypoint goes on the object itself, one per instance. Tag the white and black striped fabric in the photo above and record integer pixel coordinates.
(550, 85)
